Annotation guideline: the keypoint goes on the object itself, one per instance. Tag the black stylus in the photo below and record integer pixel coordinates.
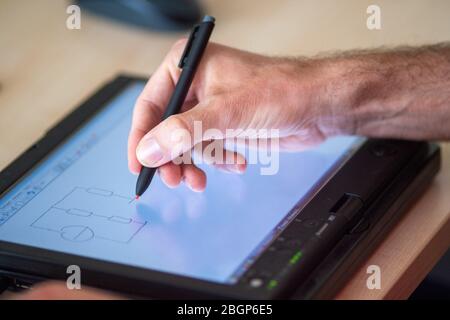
(189, 62)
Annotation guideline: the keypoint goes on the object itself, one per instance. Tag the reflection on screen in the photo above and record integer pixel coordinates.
(80, 200)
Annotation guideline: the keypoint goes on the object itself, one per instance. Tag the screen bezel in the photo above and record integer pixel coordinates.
(36, 263)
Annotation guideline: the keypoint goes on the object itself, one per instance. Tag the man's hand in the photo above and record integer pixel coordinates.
(397, 94)
(232, 89)
(58, 291)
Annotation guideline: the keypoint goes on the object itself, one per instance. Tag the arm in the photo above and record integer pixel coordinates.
(403, 93)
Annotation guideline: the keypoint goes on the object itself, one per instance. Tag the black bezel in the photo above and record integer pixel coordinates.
(29, 264)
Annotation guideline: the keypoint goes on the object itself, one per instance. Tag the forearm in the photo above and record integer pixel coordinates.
(400, 94)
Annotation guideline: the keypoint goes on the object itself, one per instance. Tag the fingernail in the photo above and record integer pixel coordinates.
(149, 152)
(232, 168)
(183, 179)
(239, 169)
(194, 189)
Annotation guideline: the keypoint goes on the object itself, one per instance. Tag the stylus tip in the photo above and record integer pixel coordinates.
(137, 197)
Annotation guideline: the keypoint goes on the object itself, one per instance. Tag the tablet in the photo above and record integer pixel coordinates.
(73, 204)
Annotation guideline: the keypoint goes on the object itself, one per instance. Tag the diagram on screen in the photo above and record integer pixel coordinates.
(87, 214)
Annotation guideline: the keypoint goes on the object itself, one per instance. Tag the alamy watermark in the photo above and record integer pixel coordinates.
(374, 279)
(373, 21)
(258, 146)
(73, 21)
(73, 281)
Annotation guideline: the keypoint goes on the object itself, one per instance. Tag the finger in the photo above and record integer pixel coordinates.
(194, 177)
(148, 111)
(170, 174)
(234, 163)
(214, 153)
(59, 291)
(285, 144)
(153, 100)
(179, 133)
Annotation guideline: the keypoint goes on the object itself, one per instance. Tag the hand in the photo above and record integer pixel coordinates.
(58, 291)
(232, 89)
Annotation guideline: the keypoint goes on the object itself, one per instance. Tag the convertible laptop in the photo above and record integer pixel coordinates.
(299, 233)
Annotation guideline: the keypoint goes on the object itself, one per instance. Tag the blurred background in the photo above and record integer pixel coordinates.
(47, 68)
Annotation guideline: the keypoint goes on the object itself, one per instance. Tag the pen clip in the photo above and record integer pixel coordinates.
(188, 47)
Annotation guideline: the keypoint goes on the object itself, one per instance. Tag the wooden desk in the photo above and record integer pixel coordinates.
(46, 69)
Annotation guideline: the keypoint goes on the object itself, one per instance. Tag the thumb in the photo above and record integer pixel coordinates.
(178, 134)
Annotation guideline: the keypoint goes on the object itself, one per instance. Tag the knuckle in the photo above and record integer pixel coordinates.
(174, 54)
(178, 46)
(178, 122)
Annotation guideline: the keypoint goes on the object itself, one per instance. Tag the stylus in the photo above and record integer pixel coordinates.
(189, 62)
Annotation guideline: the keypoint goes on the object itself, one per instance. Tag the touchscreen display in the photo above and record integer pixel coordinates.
(80, 200)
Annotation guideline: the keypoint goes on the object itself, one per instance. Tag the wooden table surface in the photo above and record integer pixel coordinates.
(46, 69)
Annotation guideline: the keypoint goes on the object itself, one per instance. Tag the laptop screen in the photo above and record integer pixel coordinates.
(80, 200)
